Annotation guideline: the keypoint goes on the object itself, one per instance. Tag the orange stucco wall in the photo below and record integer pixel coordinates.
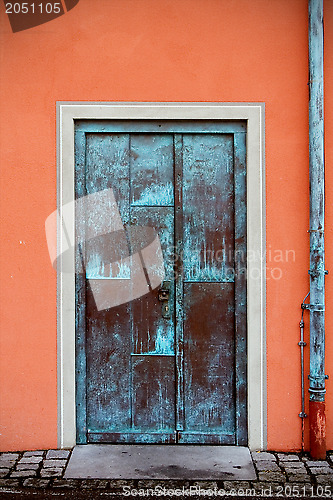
(154, 50)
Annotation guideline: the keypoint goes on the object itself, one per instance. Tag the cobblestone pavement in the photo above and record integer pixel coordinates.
(39, 474)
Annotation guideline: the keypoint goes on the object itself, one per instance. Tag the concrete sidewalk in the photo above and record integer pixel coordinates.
(40, 474)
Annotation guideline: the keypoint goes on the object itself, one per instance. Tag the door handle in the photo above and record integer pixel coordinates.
(164, 296)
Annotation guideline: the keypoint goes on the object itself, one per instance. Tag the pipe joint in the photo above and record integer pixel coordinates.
(317, 395)
(317, 381)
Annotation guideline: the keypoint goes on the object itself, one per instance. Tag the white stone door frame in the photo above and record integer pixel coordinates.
(253, 113)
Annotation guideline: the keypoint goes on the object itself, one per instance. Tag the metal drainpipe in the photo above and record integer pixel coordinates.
(317, 390)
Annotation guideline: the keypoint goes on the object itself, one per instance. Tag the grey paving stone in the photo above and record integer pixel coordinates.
(7, 464)
(66, 483)
(9, 456)
(27, 466)
(264, 465)
(152, 483)
(54, 463)
(36, 453)
(257, 484)
(36, 483)
(205, 485)
(33, 453)
(294, 473)
(142, 483)
(294, 467)
(231, 485)
(175, 483)
(318, 463)
(262, 455)
(321, 470)
(51, 472)
(288, 458)
(23, 473)
(326, 480)
(299, 478)
(4, 472)
(9, 483)
(267, 489)
(296, 470)
(57, 454)
(95, 483)
(30, 460)
(298, 489)
(272, 477)
(119, 484)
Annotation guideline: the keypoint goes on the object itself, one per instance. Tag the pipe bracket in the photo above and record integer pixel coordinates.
(315, 273)
(314, 307)
(317, 391)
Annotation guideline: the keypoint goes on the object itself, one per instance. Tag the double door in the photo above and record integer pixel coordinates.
(168, 366)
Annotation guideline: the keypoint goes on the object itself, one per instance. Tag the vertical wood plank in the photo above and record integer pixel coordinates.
(179, 327)
(80, 297)
(240, 288)
(153, 360)
(108, 333)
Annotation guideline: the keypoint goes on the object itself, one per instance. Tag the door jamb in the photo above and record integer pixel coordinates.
(253, 113)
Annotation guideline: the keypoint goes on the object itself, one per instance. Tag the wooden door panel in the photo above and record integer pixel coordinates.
(153, 393)
(208, 201)
(151, 169)
(209, 361)
(108, 346)
(151, 332)
(107, 166)
(162, 220)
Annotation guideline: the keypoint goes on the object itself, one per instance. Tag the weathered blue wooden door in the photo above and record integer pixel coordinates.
(173, 370)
